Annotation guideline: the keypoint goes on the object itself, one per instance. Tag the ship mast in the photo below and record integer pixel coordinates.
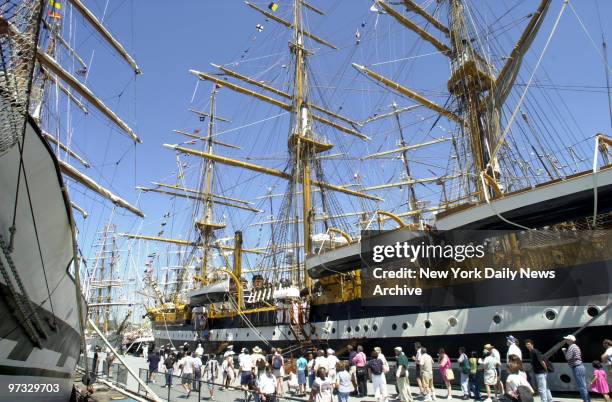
(467, 82)
(412, 198)
(300, 115)
(207, 226)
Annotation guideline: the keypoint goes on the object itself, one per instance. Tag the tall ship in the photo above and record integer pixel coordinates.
(491, 156)
(43, 90)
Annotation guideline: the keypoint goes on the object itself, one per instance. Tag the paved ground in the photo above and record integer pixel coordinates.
(178, 394)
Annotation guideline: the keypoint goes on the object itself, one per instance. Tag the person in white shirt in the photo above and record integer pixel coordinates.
(246, 367)
(322, 389)
(491, 378)
(186, 367)
(499, 387)
(382, 357)
(197, 372)
(513, 348)
(320, 361)
(199, 350)
(331, 361)
(267, 386)
(229, 351)
(516, 379)
(606, 358)
(344, 382)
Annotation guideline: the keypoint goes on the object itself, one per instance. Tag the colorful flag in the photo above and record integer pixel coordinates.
(273, 6)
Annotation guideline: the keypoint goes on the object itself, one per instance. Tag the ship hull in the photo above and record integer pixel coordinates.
(42, 256)
(472, 329)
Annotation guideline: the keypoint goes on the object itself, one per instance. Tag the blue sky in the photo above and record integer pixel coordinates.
(169, 38)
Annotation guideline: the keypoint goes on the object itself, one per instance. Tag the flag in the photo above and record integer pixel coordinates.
(273, 6)
(55, 4)
(259, 27)
(357, 37)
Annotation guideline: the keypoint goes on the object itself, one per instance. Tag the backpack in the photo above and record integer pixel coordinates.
(277, 362)
(261, 364)
(524, 394)
(169, 363)
(465, 366)
(376, 366)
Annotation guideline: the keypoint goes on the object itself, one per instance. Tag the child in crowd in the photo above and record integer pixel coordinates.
(599, 383)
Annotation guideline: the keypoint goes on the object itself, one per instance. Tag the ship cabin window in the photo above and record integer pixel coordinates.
(348, 329)
(333, 330)
(497, 318)
(394, 326)
(565, 378)
(374, 327)
(405, 325)
(592, 311)
(365, 328)
(427, 323)
(452, 321)
(357, 328)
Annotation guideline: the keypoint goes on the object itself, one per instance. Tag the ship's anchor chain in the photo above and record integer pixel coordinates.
(34, 329)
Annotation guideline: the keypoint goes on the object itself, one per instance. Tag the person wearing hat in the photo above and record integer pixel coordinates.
(513, 348)
(228, 351)
(258, 360)
(499, 387)
(573, 355)
(332, 360)
(403, 383)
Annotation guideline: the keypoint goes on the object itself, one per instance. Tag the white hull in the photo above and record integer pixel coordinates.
(43, 219)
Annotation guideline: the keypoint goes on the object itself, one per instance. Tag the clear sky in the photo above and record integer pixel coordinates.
(169, 38)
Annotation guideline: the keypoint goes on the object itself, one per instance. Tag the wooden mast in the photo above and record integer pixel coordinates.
(412, 198)
(467, 82)
(300, 113)
(207, 226)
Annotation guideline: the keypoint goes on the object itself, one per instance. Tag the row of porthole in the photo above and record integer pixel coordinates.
(550, 315)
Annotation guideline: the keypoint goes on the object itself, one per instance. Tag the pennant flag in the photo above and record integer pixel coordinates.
(55, 4)
(273, 6)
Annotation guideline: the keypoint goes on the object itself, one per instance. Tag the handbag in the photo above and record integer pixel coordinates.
(450, 375)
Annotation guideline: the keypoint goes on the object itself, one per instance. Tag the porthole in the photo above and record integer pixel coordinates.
(550, 314)
(405, 325)
(357, 328)
(348, 329)
(452, 321)
(565, 378)
(592, 311)
(365, 328)
(247, 334)
(374, 327)
(497, 318)
(273, 332)
(394, 326)
(427, 323)
(333, 330)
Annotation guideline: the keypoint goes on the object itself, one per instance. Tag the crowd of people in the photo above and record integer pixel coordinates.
(321, 375)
